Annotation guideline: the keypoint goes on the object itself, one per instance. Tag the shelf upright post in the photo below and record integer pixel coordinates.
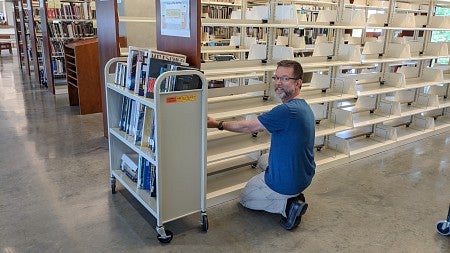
(271, 33)
(387, 37)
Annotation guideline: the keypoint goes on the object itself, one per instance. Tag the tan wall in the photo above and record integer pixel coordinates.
(140, 34)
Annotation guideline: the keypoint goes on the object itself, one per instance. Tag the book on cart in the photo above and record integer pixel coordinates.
(139, 120)
(147, 176)
(121, 71)
(129, 165)
(137, 65)
(126, 102)
(158, 61)
(148, 129)
(180, 82)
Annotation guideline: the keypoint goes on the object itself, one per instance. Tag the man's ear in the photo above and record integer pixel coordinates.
(299, 83)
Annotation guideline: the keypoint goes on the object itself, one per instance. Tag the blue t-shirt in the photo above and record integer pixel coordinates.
(291, 158)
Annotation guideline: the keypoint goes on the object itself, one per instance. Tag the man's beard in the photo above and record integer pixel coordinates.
(283, 93)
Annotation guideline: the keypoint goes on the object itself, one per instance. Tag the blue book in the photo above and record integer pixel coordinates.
(145, 174)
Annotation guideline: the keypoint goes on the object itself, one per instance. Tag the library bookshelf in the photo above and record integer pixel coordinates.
(22, 35)
(63, 21)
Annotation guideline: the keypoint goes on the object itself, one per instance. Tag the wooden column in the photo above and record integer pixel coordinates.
(108, 44)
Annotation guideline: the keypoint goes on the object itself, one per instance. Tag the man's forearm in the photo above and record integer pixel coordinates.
(243, 126)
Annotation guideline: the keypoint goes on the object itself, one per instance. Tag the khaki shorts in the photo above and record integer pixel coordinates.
(257, 195)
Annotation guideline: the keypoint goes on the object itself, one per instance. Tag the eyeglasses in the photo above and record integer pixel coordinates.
(283, 79)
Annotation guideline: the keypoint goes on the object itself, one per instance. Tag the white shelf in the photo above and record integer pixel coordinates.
(223, 50)
(237, 145)
(205, 2)
(227, 185)
(130, 19)
(241, 108)
(327, 127)
(143, 196)
(125, 138)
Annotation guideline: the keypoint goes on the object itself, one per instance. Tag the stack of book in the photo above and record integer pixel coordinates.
(144, 66)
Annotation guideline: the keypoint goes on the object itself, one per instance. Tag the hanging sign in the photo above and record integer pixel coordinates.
(175, 17)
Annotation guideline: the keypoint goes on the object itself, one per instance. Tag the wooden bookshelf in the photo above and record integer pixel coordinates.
(83, 78)
(21, 36)
(34, 27)
(59, 26)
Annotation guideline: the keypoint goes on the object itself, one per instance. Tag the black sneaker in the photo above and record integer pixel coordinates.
(301, 197)
(294, 216)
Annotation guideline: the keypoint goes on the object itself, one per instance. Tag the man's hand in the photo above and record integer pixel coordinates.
(212, 122)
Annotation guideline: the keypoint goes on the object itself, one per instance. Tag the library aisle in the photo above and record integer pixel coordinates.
(55, 194)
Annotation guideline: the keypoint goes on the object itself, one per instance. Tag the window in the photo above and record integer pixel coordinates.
(441, 36)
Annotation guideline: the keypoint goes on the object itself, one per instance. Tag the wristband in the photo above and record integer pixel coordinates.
(220, 126)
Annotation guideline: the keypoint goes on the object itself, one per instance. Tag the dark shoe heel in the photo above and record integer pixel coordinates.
(294, 216)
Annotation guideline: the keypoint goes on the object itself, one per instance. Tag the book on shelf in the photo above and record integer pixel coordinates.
(129, 165)
(137, 58)
(153, 181)
(139, 118)
(137, 121)
(131, 118)
(148, 129)
(158, 61)
(143, 174)
(147, 176)
(124, 113)
(141, 76)
(181, 82)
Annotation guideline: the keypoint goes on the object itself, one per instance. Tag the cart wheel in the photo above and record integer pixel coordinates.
(443, 227)
(167, 238)
(204, 222)
(254, 165)
(113, 185)
(319, 148)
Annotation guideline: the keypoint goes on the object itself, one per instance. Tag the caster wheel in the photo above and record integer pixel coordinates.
(205, 224)
(443, 227)
(167, 238)
(254, 165)
(113, 185)
(318, 149)
(367, 135)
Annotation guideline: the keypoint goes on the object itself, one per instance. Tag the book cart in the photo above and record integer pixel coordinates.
(179, 120)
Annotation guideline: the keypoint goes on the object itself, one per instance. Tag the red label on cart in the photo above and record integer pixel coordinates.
(181, 99)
